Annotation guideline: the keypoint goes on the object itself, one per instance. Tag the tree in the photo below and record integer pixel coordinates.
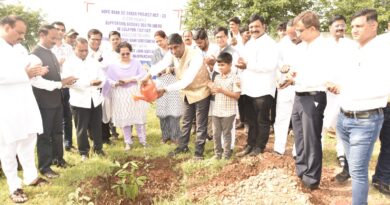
(208, 14)
(327, 9)
(33, 20)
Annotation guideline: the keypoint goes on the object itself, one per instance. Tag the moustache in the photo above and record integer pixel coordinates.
(340, 30)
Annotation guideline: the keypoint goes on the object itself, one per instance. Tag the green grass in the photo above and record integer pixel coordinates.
(57, 192)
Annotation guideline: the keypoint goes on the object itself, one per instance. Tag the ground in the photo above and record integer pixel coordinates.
(266, 179)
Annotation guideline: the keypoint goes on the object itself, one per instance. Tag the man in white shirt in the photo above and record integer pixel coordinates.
(341, 47)
(193, 79)
(285, 100)
(258, 66)
(20, 119)
(63, 51)
(234, 36)
(364, 89)
(310, 73)
(85, 97)
(96, 52)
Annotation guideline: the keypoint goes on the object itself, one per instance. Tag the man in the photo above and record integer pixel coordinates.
(203, 44)
(21, 120)
(85, 97)
(310, 73)
(110, 56)
(187, 38)
(70, 37)
(281, 30)
(381, 178)
(193, 78)
(234, 35)
(361, 114)
(340, 46)
(284, 103)
(63, 52)
(257, 85)
(96, 52)
(47, 91)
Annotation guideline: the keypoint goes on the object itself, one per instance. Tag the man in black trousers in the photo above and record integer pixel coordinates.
(47, 91)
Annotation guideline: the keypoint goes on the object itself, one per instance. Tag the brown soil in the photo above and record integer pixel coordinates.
(162, 182)
(330, 192)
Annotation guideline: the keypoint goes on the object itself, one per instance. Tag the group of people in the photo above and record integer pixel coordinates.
(316, 83)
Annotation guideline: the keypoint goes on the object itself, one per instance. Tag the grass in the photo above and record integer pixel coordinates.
(57, 192)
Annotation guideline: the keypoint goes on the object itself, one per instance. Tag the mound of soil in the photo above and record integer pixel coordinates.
(162, 182)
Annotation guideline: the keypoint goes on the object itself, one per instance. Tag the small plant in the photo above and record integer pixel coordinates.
(76, 198)
(128, 184)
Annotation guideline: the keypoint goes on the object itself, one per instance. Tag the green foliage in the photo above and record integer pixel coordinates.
(32, 18)
(210, 14)
(128, 184)
(76, 198)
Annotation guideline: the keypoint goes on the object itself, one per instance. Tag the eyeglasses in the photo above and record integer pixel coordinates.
(96, 39)
(125, 54)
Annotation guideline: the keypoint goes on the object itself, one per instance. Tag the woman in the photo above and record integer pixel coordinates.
(168, 107)
(121, 85)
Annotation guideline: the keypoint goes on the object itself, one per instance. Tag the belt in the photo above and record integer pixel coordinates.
(364, 114)
(311, 93)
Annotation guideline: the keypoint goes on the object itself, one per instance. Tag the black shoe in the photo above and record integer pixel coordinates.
(244, 152)
(64, 164)
(256, 151)
(177, 151)
(343, 176)
(311, 186)
(100, 153)
(51, 174)
(381, 187)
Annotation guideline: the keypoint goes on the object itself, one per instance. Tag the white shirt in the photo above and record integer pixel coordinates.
(43, 83)
(313, 66)
(20, 115)
(287, 56)
(63, 51)
(82, 91)
(261, 57)
(189, 75)
(213, 48)
(365, 83)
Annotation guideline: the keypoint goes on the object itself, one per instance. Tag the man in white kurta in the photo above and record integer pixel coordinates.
(20, 117)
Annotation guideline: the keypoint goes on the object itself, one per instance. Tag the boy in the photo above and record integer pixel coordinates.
(226, 89)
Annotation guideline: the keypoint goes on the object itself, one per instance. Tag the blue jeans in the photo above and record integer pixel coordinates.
(358, 137)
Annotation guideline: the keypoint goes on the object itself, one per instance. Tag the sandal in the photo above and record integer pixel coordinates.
(18, 196)
(39, 182)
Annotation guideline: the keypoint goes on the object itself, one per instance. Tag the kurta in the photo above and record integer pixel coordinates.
(20, 114)
(125, 110)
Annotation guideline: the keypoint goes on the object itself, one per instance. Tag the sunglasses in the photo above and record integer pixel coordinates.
(125, 54)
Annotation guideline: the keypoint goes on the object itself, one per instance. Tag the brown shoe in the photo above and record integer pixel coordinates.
(39, 182)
